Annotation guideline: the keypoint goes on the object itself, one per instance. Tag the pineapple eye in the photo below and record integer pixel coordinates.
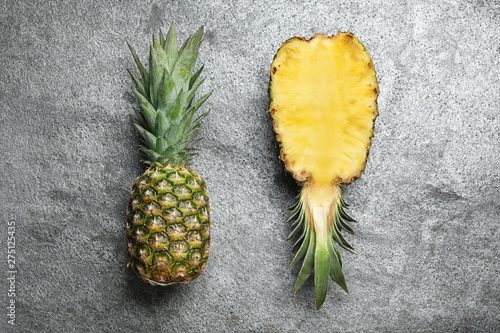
(203, 214)
(143, 251)
(130, 242)
(179, 247)
(163, 185)
(158, 240)
(161, 237)
(187, 207)
(149, 192)
(136, 202)
(183, 191)
(205, 231)
(180, 270)
(167, 200)
(176, 177)
(141, 232)
(192, 222)
(143, 182)
(206, 247)
(195, 256)
(163, 257)
(155, 222)
(194, 238)
(200, 198)
(172, 215)
(192, 181)
(138, 216)
(153, 206)
(176, 231)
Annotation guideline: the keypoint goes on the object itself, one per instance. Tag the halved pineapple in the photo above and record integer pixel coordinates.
(324, 104)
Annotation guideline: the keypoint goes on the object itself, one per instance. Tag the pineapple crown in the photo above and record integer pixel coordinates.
(165, 94)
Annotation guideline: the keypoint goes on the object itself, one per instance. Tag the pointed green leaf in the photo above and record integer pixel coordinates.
(150, 154)
(164, 160)
(157, 64)
(344, 224)
(190, 94)
(295, 231)
(300, 239)
(148, 111)
(142, 70)
(336, 273)
(173, 135)
(301, 252)
(177, 109)
(344, 215)
(195, 76)
(307, 264)
(170, 48)
(161, 125)
(321, 268)
(167, 93)
(162, 39)
(181, 72)
(161, 144)
(296, 209)
(149, 139)
(138, 84)
(197, 122)
(170, 152)
(188, 117)
(339, 238)
(140, 118)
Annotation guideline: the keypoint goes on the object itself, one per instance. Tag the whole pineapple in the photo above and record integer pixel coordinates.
(324, 104)
(168, 213)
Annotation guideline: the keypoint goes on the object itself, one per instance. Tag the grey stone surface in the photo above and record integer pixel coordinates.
(428, 204)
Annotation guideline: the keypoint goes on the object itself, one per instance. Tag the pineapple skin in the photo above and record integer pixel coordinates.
(168, 225)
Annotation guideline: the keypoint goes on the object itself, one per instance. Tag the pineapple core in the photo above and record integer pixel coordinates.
(323, 102)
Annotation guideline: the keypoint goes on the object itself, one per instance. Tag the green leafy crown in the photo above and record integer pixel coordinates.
(165, 93)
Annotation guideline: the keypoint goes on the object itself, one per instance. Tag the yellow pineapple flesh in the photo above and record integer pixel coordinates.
(324, 104)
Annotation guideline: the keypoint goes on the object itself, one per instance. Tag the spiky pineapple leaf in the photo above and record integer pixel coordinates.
(148, 111)
(162, 124)
(181, 72)
(167, 93)
(170, 47)
(138, 84)
(142, 69)
(187, 120)
(157, 65)
(307, 264)
(321, 269)
(149, 139)
(195, 76)
(336, 273)
(304, 245)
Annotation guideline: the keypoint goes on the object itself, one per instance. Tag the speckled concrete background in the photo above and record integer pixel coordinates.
(428, 205)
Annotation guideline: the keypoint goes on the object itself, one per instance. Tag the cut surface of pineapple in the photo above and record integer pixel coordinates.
(323, 104)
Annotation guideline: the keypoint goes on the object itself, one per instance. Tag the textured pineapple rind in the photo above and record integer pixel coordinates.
(168, 225)
(302, 177)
